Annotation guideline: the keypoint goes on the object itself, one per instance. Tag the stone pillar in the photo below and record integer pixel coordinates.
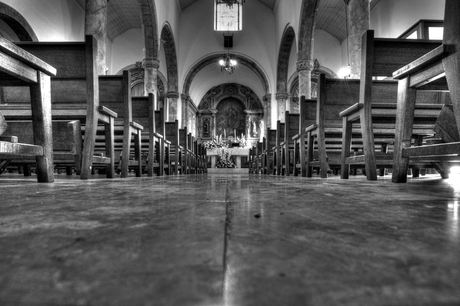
(96, 25)
(281, 98)
(305, 67)
(358, 14)
(185, 106)
(171, 105)
(214, 123)
(267, 100)
(151, 66)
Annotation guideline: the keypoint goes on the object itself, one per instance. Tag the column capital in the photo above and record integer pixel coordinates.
(150, 62)
(172, 95)
(185, 97)
(282, 96)
(306, 65)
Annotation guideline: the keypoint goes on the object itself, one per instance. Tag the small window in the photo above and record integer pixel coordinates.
(228, 18)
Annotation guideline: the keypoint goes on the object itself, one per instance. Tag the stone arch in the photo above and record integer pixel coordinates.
(171, 58)
(283, 59)
(17, 23)
(149, 22)
(212, 109)
(307, 29)
(293, 84)
(218, 93)
(137, 77)
(214, 58)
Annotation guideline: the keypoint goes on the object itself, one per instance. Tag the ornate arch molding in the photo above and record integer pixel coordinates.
(214, 58)
(17, 22)
(149, 22)
(293, 83)
(171, 57)
(218, 93)
(137, 76)
(307, 29)
(283, 59)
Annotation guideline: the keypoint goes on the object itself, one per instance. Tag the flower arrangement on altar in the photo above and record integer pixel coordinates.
(225, 159)
(219, 142)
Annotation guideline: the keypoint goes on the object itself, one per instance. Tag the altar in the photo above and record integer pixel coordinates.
(236, 152)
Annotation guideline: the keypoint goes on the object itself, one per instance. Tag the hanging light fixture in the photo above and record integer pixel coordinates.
(227, 63)
(230, 3)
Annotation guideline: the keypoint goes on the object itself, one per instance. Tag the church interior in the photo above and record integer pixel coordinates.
(229, 152)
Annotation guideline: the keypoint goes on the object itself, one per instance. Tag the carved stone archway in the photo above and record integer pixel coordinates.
(214, 58)
(232, 100)
(17, 23)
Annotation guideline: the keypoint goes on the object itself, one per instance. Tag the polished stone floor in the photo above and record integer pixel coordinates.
(210, 240)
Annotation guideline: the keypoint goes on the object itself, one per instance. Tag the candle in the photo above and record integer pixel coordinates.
(234, 133)
(225, 133)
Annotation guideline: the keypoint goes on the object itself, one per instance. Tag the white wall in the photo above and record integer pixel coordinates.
(52, 20)
(390, 18)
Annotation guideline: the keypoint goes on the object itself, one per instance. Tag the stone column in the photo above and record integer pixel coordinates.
(305, 67)
(96, 25)
(185, 101)
(214, 123)
(358, 14)
(171, 105)
(267, 99)
(151, 66)
(281, 98)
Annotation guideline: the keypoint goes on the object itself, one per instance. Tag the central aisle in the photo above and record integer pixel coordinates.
(229, 240)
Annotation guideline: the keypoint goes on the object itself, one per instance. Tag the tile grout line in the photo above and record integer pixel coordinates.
(227, 231)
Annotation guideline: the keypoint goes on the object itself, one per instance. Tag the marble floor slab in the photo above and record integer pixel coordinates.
(230, 240)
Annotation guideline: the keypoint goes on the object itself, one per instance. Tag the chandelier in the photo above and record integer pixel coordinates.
(230, 2)
(227, 64)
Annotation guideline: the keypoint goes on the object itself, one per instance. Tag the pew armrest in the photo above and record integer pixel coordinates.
(136, 125)
(351, 110)
(108, 112)
(311, 128)
(422, 62)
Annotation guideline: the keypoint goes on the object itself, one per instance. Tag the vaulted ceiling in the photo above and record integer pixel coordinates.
(125, 14)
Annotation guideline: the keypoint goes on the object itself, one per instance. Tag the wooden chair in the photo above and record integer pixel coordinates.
(20, 68)
(379, 58)
(429, 70)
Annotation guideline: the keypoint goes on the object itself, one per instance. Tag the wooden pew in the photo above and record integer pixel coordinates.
(269, 142)
(379, 58)
(20, 68)
(291, 128)
(115, 94)
(307, 117)
(424, 71)
(176, 150)
(75, 95)
(277, 152)
(67, 145)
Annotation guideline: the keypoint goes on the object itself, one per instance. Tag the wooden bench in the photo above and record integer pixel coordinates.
(379, 58)
(20, 68)
(269, 141)
(67, 145)
(291, 128)
(75, 96)
(176, 150)
(307, 113)
(429, 70)
(277, 152)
